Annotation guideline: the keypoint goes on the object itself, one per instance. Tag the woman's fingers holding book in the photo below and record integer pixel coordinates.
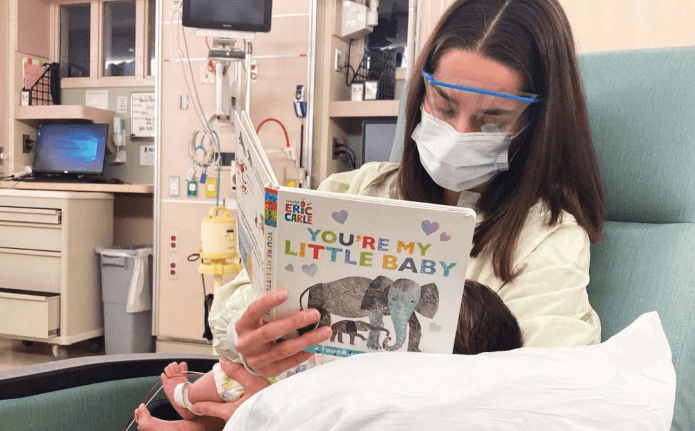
(287, 354)
(257, 339)
(253, 316)
(273, 364)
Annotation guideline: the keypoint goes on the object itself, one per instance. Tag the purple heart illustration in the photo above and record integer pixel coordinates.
(429, 227)
(340, 216)
(289, 268)
(310, 270)
(444, 236)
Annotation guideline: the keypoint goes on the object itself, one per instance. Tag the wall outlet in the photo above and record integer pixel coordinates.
(173, 269)
(254, 71)
(207, 76)
(174, 241)
(26, 144)
(192, 190)
(338, 60)
(174, 186)
(337, 148)
(211, 188)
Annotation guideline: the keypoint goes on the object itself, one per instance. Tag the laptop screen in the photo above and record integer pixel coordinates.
(70, 148)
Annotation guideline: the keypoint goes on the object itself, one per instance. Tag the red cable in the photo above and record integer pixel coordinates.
(287, 137)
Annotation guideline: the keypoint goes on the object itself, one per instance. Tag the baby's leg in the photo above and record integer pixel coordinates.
(204, 389)
(147, 423)
(175, 374)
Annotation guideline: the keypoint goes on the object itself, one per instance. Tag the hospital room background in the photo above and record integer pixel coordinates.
(159, 89)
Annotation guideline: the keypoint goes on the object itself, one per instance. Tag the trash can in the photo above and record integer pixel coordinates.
(126, 287)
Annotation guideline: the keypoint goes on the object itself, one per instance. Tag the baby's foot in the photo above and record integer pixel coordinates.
(147, 423)
(173, 375)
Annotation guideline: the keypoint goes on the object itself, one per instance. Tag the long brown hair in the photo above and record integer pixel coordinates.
(555, 160)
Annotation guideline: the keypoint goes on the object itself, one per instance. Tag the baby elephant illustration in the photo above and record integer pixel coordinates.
(358, 297)
(351, 327)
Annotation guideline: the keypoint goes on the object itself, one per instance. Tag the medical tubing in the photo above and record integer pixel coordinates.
(287, 137)
(209, 154)
(217, 193)
(159, 387)
(197, 106)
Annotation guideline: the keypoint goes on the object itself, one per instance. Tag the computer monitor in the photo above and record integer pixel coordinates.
(238, 15)
(70, 148)
(377, 139)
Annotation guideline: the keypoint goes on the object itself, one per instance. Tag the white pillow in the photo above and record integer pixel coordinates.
(625, 383)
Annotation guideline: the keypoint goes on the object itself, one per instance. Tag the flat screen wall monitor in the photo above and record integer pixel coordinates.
(251, 16)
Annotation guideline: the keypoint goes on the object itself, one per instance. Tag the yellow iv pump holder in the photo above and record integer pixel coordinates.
(218, 250)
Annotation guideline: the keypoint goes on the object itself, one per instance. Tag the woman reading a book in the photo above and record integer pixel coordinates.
(496, 119)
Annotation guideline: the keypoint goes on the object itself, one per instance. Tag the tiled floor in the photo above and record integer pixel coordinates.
(15, 353)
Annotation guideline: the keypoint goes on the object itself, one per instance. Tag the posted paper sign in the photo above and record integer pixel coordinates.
(122, 104)
(142, 107)
(97, 99)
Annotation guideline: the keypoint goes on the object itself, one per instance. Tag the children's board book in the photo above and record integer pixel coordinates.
(386, 275)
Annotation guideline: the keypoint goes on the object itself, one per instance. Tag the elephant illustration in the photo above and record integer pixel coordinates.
(356, 297)
(351, 327)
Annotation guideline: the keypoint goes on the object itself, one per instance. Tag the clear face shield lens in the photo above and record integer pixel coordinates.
(480, 108)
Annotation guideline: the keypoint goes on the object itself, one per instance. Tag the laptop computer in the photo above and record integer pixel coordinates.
(70, 152)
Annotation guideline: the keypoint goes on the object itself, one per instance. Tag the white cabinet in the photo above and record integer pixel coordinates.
(49, 272)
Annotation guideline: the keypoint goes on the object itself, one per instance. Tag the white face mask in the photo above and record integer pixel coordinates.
(459, 161)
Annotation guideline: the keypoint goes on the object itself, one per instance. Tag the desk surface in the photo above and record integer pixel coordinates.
(80, 187)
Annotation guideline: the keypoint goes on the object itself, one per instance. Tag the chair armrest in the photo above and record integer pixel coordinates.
(70, 373)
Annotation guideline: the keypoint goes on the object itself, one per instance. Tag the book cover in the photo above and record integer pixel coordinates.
(386, 275)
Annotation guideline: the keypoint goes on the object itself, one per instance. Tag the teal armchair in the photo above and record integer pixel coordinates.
(642, 107)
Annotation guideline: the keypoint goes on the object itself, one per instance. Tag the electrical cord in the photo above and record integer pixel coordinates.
(355, 73)
(207, 299)
(349, 152)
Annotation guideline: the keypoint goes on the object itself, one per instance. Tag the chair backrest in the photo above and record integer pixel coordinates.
(642, 108)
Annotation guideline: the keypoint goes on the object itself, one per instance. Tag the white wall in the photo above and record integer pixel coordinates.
(607, 25)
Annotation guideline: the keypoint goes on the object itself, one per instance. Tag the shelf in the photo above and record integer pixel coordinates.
(366, 108)
(80, 187)
(64, 112)
(68, 112)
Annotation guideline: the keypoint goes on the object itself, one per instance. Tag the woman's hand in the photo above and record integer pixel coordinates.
(256, 340)
(224, 410)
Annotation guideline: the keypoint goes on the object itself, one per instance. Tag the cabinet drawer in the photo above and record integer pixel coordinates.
(29, 315)
(30, 236)
(37, 271)
(30, 215)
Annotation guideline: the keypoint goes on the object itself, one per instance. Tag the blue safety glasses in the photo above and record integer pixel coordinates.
(473, 106)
